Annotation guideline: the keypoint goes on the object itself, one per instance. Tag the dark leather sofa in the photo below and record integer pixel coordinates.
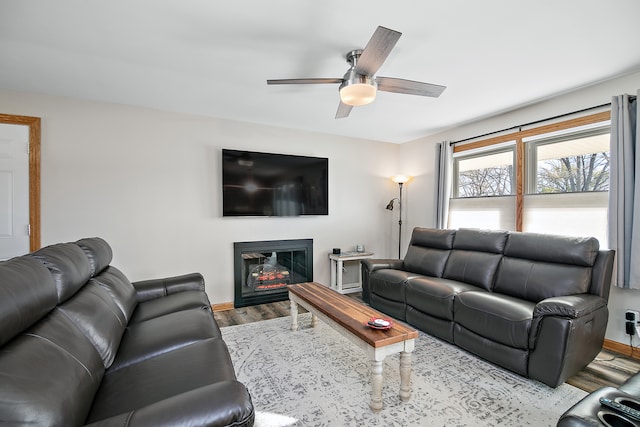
(81, 345)
(535, 304)
(590, 413)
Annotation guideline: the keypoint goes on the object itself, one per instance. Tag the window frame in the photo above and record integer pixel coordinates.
(519, 136)
(531, 168)
(503, 148)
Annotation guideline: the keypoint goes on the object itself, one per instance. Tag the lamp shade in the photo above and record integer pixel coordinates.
(358, 94)
(357, 89)
(390, 204)
(401, 179)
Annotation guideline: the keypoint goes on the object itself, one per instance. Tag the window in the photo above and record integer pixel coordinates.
(484, 174)
(577, 162)
(551, 179)
(483, 189)
(568, 183)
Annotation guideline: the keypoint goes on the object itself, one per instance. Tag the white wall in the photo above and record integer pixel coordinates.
(148, 182)
(418, 159)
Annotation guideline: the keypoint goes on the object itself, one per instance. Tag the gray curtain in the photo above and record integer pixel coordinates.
(624, 191)
(444, 164)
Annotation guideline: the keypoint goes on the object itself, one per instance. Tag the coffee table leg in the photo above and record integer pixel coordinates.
(314, 320)
(405, 376)
(376, 385)
(294, 315)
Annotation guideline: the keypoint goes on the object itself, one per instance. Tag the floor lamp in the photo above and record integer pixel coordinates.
(400, 180)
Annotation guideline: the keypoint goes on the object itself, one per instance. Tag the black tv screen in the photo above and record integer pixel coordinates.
(266, 184)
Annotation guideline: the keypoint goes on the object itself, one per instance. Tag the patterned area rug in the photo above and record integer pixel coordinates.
(319, 378)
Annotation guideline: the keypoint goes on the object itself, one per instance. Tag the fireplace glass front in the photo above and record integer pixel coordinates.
(263, 269)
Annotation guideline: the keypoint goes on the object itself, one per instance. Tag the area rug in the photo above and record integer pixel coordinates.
(316, 377)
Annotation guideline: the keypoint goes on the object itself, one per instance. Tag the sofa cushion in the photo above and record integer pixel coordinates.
(428, 251)
(49, 375)
(170, 304)
(389, 284)
(472, 239)
(151, 338)
(514, 359)
(499, 318)
(97, 315)
(535, 281)
(170, 374)
(538, 266)
(27, 293)
(580, 251)
(432, 238)
(98, 252)
(68, 265)
(476, 268)
(119, 288)
(434, 296)
(475, 256)
(154, 288)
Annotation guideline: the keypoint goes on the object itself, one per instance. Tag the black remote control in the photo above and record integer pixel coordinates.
(623, 409)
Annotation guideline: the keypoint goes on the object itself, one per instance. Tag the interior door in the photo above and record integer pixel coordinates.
(14, 190)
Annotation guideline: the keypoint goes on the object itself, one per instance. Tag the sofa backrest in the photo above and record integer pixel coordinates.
(98, 252)
(50, 374)
(118, 286)
(68, 265)
(538, 266)
(60, 328)
(601, 273)
(475, 256)
(27, 294)
(112, 280)
(428, 251)
(531, 266)
(95, 313)
(49, 368)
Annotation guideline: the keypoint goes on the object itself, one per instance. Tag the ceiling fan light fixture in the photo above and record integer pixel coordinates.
(358, 90)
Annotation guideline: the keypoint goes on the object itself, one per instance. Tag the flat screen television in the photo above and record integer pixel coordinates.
(268, 184)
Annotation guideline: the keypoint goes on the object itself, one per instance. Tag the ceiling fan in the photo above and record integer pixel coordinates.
(359, 84)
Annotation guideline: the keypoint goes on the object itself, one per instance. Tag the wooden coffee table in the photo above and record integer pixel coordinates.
(349, 317)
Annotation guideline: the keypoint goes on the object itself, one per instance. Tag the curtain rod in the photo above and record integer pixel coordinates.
(532, 123)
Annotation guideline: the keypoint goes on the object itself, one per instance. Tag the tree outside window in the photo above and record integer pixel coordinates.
(485, 175)
(576, 165)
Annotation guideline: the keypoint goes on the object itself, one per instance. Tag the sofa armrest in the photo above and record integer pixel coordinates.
(221, 404)
(372, 265)
(566, 307)
(156, 288)
(571, 306)
(566, 334)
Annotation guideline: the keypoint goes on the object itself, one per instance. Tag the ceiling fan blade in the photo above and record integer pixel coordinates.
(376, 51)
(303, 81)
(343, 110)
(409, 87)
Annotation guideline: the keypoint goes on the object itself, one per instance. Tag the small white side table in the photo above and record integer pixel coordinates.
(337, 263)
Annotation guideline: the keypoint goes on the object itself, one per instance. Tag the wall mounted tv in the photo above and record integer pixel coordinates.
(267, 184)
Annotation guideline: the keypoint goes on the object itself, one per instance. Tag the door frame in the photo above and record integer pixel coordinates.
(33, 123)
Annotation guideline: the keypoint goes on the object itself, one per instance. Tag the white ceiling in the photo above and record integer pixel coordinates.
(213, 58)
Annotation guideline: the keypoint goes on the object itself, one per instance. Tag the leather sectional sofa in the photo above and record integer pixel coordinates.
(535, 304)
(81, 345)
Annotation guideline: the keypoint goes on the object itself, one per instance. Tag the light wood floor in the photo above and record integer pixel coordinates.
(608, 369)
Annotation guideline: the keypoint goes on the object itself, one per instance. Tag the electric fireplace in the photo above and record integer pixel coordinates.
(263, 269)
